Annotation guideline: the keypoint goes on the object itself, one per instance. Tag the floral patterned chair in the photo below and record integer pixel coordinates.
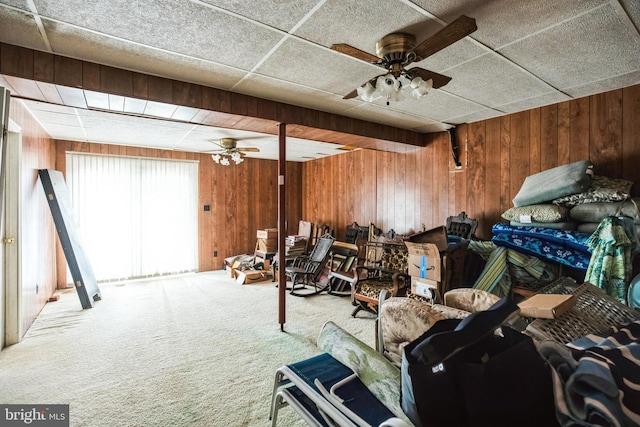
(385, 270)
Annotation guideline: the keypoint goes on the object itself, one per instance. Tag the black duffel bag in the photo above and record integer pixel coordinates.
(461, 373)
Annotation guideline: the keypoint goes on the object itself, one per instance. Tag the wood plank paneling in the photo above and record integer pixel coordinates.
(605, 148)
(564, 133)
(631, 137)
(505, 163)
(38, 238)
(518, 151)
(549, 136)
(474, 205)
(493, 198)
(579, 136)
(501, 152)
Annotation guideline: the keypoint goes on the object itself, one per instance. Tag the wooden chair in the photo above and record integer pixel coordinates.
(385, 269)
(461, 226)
(305, 270)
(319, 230)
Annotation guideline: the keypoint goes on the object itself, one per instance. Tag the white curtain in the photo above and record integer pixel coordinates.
(136, 217)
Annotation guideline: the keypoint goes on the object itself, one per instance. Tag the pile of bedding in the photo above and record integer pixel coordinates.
(556, 210)
(569, 197)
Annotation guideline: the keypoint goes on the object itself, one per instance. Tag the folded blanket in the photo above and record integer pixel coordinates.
(544, 249)
(596, 378)
(565, 238)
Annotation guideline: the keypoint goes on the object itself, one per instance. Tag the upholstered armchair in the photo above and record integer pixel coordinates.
(386, 270)
(403, 319)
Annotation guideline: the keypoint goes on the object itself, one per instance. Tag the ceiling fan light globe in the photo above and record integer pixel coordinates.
(224, 161)
(387, 85)
(367, 92)
(216, 158)
(420, 87)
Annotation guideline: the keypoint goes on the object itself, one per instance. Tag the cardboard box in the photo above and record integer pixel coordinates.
(546, 306)
(267, 245)
(231, 272)
(424, 261)
(231, 269)
(250, 276)
(426, 288)
(437, 236)
(267, 233)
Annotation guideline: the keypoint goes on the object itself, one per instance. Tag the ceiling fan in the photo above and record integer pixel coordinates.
(396, 51)
(229, 150)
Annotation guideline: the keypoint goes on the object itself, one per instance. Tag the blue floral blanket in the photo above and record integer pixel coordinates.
(563, 246)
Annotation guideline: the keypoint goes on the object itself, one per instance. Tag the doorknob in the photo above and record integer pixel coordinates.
(9, 240)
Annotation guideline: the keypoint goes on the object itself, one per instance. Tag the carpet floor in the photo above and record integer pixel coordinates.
(189, 350)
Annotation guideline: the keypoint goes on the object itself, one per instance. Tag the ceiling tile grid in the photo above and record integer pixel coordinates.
(522, 56)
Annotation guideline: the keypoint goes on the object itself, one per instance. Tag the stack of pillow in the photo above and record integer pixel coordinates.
(570, 197)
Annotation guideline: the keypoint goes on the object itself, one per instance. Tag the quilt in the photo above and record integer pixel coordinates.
(563, 246)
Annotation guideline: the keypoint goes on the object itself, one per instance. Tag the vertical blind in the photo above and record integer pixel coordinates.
(136, 217)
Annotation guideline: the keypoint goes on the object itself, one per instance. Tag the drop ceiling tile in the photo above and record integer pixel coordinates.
(77, 43)
(20, 29)
(184, 113)
(490, 80)
(36, 107)
(538, 101)
(116, 103)
(437, 105)
(381, 114)
(475, 117)
(25, 88)
(305, 64)
(504, 21)
(279, 14)
(160, 109)
(184, 27)
(564, 55)
(65, 132)
(134, 106)
(128, 120)
(457, 53)
(72, 97)
(20, 4)
(59, 119)
(106, 131)
(359, 24)
(632, 8)
(605, 85)
(278, 90)
(97, 100)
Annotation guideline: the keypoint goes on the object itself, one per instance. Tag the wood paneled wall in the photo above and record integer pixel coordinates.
(37, 244)
(405, 192)
(242, 198)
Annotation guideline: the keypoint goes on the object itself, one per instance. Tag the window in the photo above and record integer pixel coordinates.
(136, 217)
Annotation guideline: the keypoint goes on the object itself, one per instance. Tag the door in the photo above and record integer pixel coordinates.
(10, 304)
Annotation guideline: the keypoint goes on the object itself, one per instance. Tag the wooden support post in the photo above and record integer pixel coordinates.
(282, 171)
